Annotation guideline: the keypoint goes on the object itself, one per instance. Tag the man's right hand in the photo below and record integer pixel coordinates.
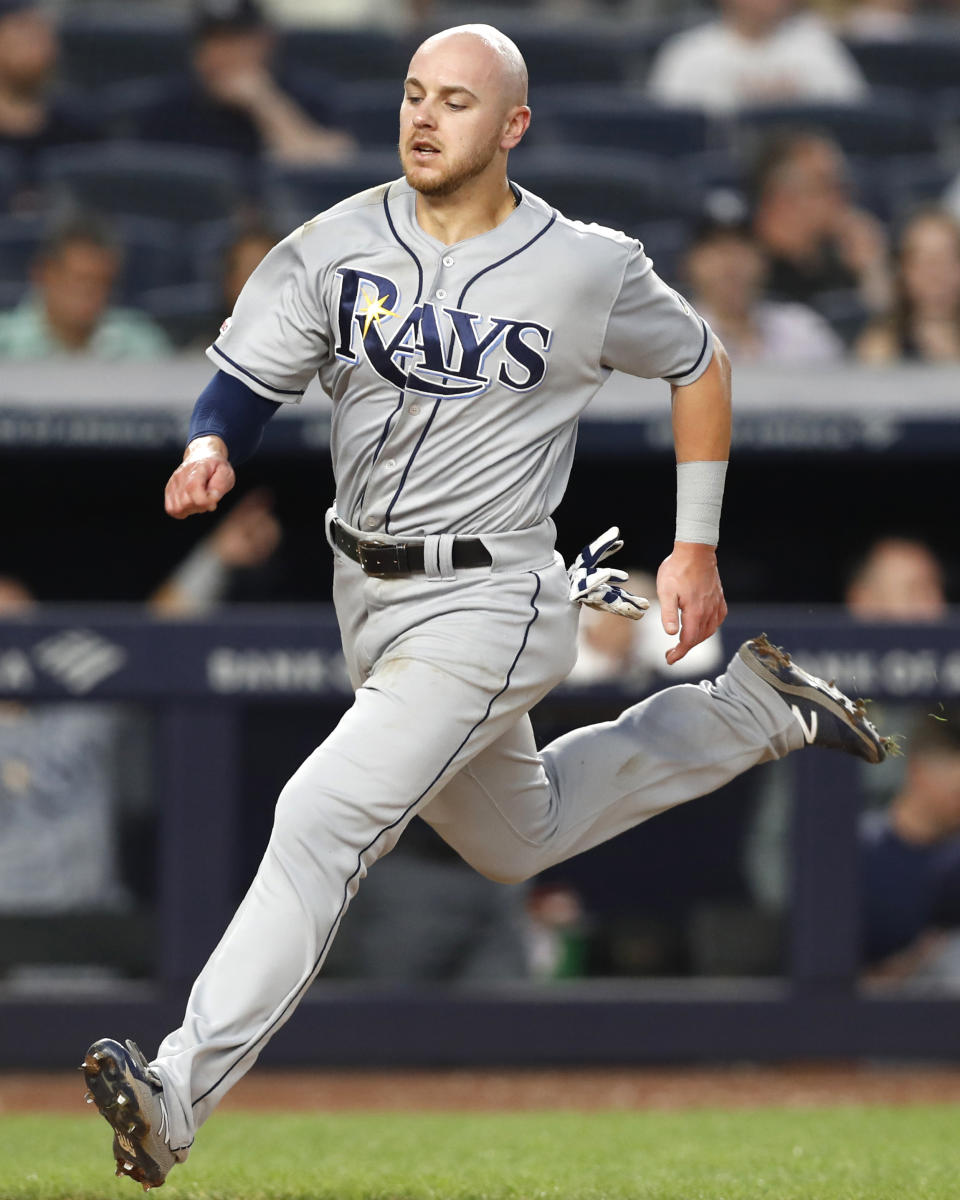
(202, 479)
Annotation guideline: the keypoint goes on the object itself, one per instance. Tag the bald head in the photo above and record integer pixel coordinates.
(464, 110)
(492, 55)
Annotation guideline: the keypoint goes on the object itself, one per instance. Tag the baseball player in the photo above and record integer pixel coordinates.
(460, 326)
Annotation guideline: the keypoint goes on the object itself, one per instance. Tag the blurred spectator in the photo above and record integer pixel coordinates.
(59, 780)
(873, 19)
(242, 255)
(612, 649)
(245, 538)
(192, 317)
(34, 113)
(727, 272)
(910, 861)
(923, 323)
(235, 100)
(757, 52)
(895, 579)
(71, 773)
(344, 14)
(817, 240)
(68, 311)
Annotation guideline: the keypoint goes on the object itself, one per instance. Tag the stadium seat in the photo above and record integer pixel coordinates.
(143, 40)
(665, 242)
(922, 64)
(371, 112)
(349, 54)
(152, 256)
(189, 313)
(294, 194)
(178, 184)
(618, 120)
(886, 124)
(576, 54)
(20, 238)
(625, 191)
(9, 177)
(910, 183)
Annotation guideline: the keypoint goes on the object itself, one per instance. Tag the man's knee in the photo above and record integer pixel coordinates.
(515, 866)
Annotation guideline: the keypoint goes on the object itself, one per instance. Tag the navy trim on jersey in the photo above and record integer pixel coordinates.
(256, 378)
(386, 829)
(393, 230)
(389, 421)
(466, 287)
(512, 254)
(406, 469)
(703, 350)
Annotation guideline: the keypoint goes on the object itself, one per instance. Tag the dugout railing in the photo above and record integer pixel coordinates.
(198, 677)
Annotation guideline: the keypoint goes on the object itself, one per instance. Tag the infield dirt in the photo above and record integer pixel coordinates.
(799, 1086)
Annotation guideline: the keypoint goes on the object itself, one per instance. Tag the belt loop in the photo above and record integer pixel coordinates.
(431, 556)
(445, 555)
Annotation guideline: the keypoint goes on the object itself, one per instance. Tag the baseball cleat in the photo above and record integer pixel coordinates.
(826, 716)
(127, 1094)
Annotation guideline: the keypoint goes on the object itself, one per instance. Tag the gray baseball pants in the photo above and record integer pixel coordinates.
(446, 667)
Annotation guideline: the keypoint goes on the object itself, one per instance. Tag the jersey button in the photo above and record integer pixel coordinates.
(371, 522)
(413, 409)
(441, 293)
(390, 463)
(447, 261)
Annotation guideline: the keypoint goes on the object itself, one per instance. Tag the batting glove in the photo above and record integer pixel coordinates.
(596, 586)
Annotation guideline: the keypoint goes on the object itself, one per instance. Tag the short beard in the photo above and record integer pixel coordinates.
(446, 187)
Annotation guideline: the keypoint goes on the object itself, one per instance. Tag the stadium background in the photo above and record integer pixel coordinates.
(847, 454)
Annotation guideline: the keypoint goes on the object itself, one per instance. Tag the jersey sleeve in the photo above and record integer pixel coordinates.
(277, 336)
(652, 331)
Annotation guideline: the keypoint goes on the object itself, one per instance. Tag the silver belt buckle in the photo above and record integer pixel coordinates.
(380, 559)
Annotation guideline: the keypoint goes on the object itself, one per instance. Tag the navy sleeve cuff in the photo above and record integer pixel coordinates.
(230, 410)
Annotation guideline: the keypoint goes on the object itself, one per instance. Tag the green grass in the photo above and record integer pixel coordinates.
(807, 1154)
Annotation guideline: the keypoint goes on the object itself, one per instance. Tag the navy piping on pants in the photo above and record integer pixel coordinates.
(346, 888)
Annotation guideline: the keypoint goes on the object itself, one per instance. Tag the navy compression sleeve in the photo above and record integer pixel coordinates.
(228, 408)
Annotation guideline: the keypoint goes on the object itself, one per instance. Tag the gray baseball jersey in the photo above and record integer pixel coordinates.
(457, 373)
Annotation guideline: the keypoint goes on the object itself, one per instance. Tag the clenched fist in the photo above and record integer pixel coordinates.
(202, 479)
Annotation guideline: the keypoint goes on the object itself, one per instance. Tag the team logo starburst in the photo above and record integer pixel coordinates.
(375, 310)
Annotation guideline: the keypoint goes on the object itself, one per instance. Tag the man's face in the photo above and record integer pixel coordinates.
(903, 582)
(930, 263)
(75, 285)
(726, 273)
(816, 182)
(759, 12)
(454, 115)
(28, 48)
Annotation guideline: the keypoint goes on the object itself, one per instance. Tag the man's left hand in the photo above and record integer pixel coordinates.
(688, 586)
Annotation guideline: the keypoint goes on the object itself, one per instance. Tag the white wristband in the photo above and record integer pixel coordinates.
(699, 498)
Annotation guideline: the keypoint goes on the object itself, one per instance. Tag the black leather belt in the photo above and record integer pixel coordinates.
(404, 558)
